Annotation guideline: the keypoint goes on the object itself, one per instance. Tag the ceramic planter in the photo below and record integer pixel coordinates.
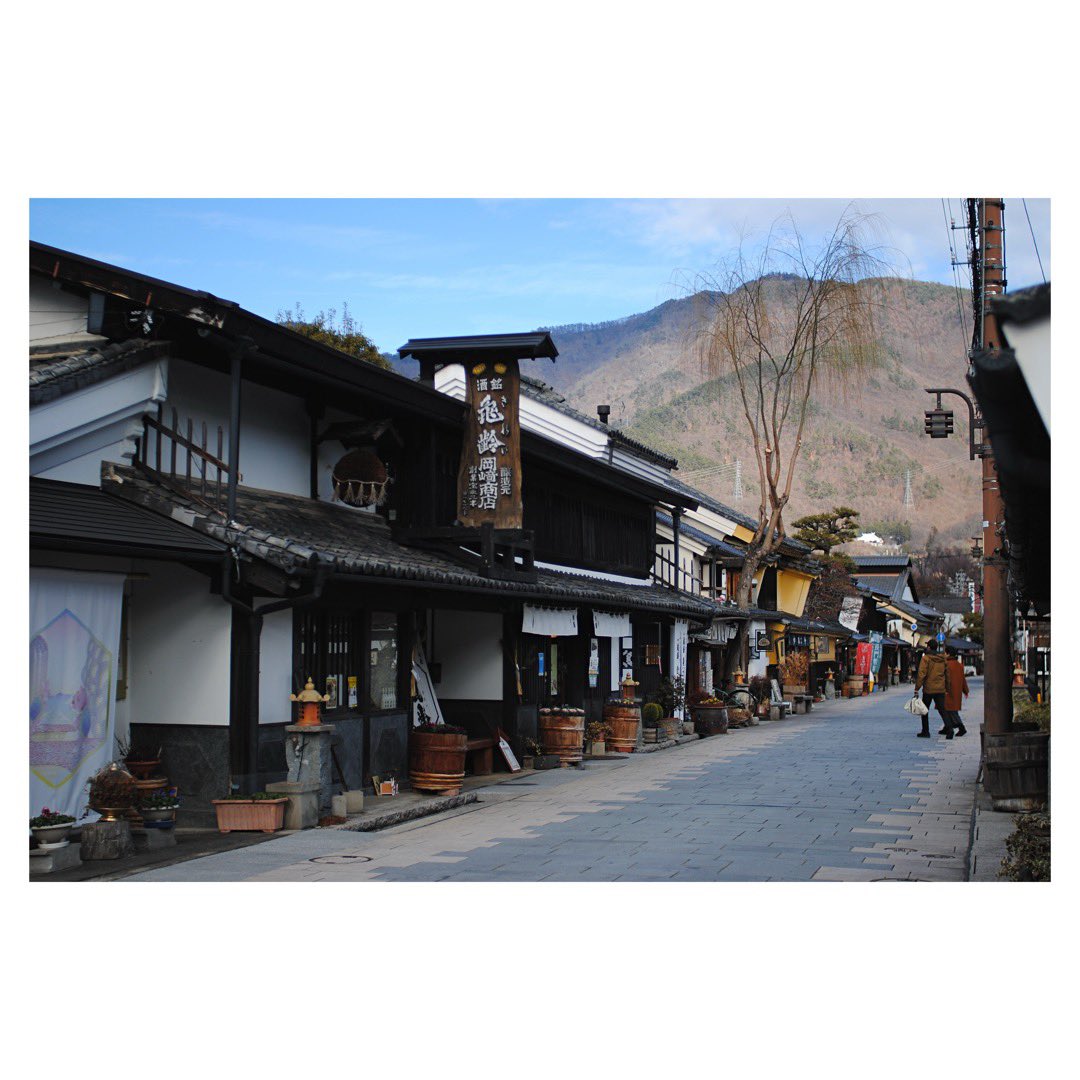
(250, 815)
(546, 761)
(49, 837)
(144, 769)
(710, 720)
(158, 814)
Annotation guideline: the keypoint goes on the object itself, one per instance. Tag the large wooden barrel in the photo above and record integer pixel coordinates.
(853, 686)
(623, 722)
(563, 733)
(437, 761)
(1017, 768)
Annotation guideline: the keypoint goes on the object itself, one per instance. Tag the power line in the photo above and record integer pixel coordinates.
(1034, 241)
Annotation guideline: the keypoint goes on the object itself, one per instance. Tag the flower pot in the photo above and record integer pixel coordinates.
(250, 815)
(437, 761)
(669, 728)
(599, 749)
(546, 761)
(144, 769)
(688, 727)
(710, 720)
(158, 814)
(563, 734)
(650, 734)
(622, 721)
(527, 761)
(50, 837)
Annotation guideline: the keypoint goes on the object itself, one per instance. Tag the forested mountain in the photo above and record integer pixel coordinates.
(861, 440)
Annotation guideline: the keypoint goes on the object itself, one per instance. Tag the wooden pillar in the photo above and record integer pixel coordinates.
(246, 636)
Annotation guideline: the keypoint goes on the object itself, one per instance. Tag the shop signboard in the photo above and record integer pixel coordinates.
(850, 609)
(489, 477)
(875, 651)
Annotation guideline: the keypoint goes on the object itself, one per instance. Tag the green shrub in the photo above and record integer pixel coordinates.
(1028, 849)
(651, 714)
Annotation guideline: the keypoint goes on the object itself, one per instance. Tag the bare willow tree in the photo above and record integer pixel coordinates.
(783, 324)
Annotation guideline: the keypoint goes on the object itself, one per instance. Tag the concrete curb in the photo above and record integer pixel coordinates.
(397, 817)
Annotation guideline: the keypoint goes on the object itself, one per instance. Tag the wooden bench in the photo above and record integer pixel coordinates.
(481, 752)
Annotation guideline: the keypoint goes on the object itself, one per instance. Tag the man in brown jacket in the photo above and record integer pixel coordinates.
(957, 689)
(933, 679)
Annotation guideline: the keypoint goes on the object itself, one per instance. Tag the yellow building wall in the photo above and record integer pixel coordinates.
(792, 588)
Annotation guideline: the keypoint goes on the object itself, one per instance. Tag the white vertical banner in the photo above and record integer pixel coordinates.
(74, 645)
(680, 639)
(615, 628)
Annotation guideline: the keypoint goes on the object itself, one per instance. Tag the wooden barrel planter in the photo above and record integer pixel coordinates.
(437, 761)
(1017, 768)
(710, 720)
(622, 721)
(853, 686)
(562, 732)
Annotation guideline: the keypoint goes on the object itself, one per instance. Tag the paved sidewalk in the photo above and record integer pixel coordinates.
(846, 793)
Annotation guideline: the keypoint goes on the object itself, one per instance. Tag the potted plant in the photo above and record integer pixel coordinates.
(112, 791)
(158, 808)
(761, 690)
(671, 697)
(263, 811)
(531, 751)
(540, 760)
(651, 714)
(596, 733)
(50, 828)
(795, 670)
(142, 763)
(710, 716)
(437, 757)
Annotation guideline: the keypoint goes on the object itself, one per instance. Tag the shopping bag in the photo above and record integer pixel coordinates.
(916, 707)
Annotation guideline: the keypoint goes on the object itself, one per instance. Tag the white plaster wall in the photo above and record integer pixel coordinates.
(180, 649)
(275, 669)
(56, 315)
(274, 427)
(71, 435)
(467, 644)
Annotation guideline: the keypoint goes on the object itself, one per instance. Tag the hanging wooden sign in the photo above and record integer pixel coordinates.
(489, 477)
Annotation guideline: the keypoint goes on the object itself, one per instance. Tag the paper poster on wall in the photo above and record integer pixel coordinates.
(594, 662)
(626, 665)
(352, 691)
(74, 641)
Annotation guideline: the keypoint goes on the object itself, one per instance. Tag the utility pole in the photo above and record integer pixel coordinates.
(987, 223)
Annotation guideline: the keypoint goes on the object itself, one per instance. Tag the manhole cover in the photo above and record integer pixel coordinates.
(340, 858)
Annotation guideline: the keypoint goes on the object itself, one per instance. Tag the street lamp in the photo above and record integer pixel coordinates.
(938, 422)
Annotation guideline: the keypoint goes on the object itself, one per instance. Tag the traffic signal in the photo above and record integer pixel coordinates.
(939, 423)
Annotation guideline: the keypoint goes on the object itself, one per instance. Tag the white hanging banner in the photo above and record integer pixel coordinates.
(680, 637)
(549, 622)
(426, 708)
(74, 644)
(613, 627)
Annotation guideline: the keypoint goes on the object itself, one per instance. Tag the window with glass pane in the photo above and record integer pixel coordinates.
(384, 650)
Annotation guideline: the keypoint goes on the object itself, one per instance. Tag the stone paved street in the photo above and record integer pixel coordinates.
(845, 794)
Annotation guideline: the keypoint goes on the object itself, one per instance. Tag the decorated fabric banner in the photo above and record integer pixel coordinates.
(863, 652)
(74, 642)
(613, 627)
(680, 638)
(549, 622)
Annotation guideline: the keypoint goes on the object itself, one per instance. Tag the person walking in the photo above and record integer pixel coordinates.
(957, 690)
(933, 680)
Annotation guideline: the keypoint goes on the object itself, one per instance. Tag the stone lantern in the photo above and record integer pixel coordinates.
(311, 704)
(628, 686)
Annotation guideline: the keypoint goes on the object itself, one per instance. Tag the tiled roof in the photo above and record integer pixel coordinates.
(722, 549)
(57, 372)
(868, 562)
(877, 583)
(295, 533)
(76, 516)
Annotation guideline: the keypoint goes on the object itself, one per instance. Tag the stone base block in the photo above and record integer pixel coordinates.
(339, 806)
(48, 862)
(354, 802)
(153, 839)
(302, 809)
(106, 840)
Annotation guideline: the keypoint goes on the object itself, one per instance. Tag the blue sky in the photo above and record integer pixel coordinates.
(425, 267)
